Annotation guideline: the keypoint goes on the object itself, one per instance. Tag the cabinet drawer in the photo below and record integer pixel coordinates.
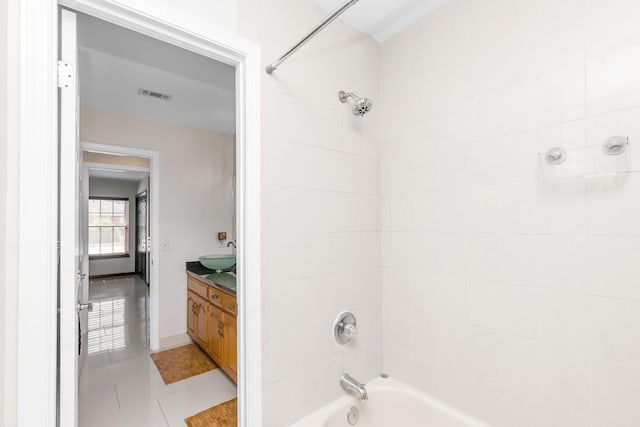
(216, 297)
(197, 287)
(230, 304)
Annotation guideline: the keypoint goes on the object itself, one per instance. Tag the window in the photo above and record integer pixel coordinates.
(108, 227)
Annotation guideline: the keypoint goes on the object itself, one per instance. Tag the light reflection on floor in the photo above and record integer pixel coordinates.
(107, 326)
(120, 386)
(117, 326)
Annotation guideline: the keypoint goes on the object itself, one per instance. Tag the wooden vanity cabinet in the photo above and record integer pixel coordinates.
(230, 361)
(212, 324)
(191, 315)
(215, 339)
(197, 317)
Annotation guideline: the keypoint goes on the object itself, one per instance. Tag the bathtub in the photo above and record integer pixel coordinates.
(391, 403)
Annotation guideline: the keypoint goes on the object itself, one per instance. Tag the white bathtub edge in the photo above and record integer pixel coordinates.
(319, 416)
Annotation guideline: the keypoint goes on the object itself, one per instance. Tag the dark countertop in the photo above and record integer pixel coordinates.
(225, 281)
(197, 268)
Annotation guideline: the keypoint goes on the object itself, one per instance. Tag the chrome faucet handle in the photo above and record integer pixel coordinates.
(350, 331)
(345, 327)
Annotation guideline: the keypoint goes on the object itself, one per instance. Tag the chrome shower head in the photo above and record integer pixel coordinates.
(361, 106)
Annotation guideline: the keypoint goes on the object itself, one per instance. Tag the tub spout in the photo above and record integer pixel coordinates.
(348, 383)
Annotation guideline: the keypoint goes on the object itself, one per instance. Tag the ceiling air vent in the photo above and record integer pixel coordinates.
(153, 94)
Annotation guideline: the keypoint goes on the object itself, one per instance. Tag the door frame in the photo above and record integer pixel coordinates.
(37, 146)
(147, 236)
(154, 177)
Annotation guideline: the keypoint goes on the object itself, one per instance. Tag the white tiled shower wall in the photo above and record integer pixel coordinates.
(512, 299)
(321, 207)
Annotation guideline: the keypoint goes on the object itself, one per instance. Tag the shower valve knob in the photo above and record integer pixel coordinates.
(350, 331)
(345, 327)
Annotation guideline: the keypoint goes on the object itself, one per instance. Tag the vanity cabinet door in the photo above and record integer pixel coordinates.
(212, 324)
(191, 317)
(230, 346)
(215, 340)
(201, 321)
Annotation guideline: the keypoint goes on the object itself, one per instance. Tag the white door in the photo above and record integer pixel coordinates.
(72, 270)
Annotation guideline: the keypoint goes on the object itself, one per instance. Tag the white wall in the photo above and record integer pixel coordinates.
(321, 207)
(508, 315)
(221, 13)
(143, 185)
(195, 195)
(9, 79)
(3, 196)
(519, 302)
(102, 187)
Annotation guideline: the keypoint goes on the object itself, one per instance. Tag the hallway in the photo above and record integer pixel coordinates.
(121, 386)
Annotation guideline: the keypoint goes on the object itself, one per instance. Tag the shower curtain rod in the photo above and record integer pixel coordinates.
(272, 67)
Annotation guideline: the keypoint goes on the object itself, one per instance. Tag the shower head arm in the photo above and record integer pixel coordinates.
(343, 96)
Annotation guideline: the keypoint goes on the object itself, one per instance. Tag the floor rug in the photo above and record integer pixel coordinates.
(182, 362)
(222, 415)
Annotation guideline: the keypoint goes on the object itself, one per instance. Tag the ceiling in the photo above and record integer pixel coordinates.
(382, 19)
(114, 63)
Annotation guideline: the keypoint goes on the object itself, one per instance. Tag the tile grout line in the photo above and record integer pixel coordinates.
(115, 387)
(162, 412)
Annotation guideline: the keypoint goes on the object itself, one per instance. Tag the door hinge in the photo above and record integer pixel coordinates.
(65, 74)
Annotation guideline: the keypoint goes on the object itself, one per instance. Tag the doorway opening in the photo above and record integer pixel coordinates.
(43, 359)
(110, 231)
(143, 101)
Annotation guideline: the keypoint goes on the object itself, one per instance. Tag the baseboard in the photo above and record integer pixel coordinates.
(175, 341)
(102, 276)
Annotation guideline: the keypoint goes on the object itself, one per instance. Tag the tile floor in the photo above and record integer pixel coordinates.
(120, 385)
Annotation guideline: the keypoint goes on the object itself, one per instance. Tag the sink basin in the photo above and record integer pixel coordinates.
(224, 280)
(218, 262)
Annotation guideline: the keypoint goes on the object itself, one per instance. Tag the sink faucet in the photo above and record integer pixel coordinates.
(232, 243)
(348, 383)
